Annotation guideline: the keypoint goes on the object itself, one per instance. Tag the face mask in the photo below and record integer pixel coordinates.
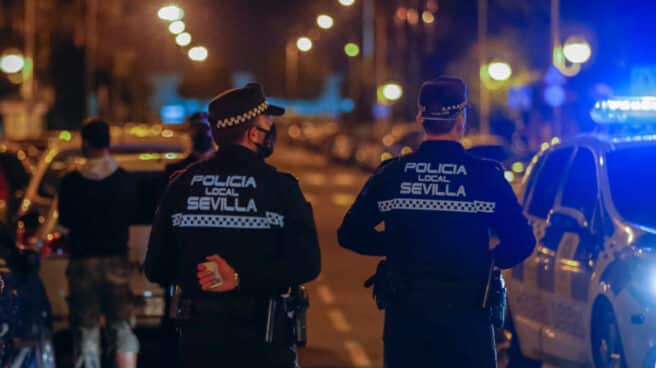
(265, 149)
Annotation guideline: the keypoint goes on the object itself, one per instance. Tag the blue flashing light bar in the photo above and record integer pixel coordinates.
(625, 110)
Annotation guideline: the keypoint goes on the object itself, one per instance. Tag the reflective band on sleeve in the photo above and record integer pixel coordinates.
(436, 205)
(229, 222)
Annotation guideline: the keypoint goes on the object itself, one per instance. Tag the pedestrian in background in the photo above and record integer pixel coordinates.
(235, 234)
(439, 206)
(202, 144)
(96, 204)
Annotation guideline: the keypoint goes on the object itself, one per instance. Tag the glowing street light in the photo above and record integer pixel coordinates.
(347, 2)
(325, 21)
(352, 49)
(392, 91)
(198, 53)
(577, 50)
(177, 27)
(170, 13)
(12, 63)
(304, 44)
(428, 17)
(499, 71)
(183, 39)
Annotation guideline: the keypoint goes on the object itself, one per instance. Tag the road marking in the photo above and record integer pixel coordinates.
(359, 357)
(344, 180)
(343, 199)
(326, 294)
(339, 320)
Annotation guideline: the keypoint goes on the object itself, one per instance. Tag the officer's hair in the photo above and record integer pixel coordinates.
(439, 127)
(231, 135)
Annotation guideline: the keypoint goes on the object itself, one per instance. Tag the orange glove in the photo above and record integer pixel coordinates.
(206, 277)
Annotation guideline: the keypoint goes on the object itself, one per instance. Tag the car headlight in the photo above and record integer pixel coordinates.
(643, 282)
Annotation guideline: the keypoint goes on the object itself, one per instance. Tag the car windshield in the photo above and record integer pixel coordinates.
(631, 175)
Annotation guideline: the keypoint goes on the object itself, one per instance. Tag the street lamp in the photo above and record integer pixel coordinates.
(352, 49)
(390, 92)
(177, 27)
(499, 71)
(577, 50)
(304, 44)
(170, 13)
(12, 63)
(347, 2)
(198, 53)
(325, 21)
(183, 39)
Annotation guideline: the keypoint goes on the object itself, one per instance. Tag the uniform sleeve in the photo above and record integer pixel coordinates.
(300, 257)
(357, 231)
(512, 227)
(161, 263)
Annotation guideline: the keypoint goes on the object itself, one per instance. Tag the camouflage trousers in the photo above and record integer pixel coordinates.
(99, 287)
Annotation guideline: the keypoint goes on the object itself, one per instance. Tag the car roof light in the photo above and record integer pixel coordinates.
(621, 110)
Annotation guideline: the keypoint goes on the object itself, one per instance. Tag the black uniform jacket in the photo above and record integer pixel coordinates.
(439, 206)
(243, 209)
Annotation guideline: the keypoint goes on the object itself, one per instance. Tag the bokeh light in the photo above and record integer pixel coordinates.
(325, 21)
(352, 49)
(183, 39)
(347, 2)
(170, 13)
(499, 71)
(177, 27)
(12, 63)
(577, 50)
(198, 53)
(304, 44)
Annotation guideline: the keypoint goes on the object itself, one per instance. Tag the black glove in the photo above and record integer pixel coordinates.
(381, 291)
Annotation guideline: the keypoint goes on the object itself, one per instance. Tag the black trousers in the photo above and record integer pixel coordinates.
(213, 344)
(436, 338)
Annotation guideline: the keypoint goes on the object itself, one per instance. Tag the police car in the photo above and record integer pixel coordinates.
(587, 295)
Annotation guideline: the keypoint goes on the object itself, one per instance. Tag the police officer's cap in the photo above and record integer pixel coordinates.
(442, 98)
(239, 105)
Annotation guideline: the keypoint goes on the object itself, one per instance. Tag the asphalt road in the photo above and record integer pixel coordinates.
(344, 326)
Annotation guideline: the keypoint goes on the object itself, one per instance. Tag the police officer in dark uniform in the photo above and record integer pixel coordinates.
(234, 233)
(201, 143)
(439, 206)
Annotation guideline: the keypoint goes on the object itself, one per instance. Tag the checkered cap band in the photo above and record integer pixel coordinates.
(445, 111)
(436, 205)
(248, 115)
(228, 222)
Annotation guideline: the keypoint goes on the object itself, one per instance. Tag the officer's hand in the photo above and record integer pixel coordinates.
(206, 277)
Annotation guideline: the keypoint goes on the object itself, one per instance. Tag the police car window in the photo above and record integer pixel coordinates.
(580, 191)
(549, 180)
(631, 176)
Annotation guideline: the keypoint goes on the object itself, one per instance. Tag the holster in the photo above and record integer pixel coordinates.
(386, 285)
(495, 300)
(287, 317)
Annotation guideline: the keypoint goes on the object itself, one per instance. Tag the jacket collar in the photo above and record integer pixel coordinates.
(237, 150)
(441, 146)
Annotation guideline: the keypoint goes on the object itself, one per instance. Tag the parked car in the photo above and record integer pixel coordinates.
(587, 295)
(144, 156)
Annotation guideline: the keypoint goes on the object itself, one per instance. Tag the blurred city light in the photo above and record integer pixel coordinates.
(183, 39)
(413, 16)
(347, 2)
(499, 71)
(177, 27)
(170, 13)
(352, 49)
(304, 44)
(198, 53)
(392, 91)
(577, 50)
(325, 21)
(428, 17)
(12, 63)
(518, 167)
